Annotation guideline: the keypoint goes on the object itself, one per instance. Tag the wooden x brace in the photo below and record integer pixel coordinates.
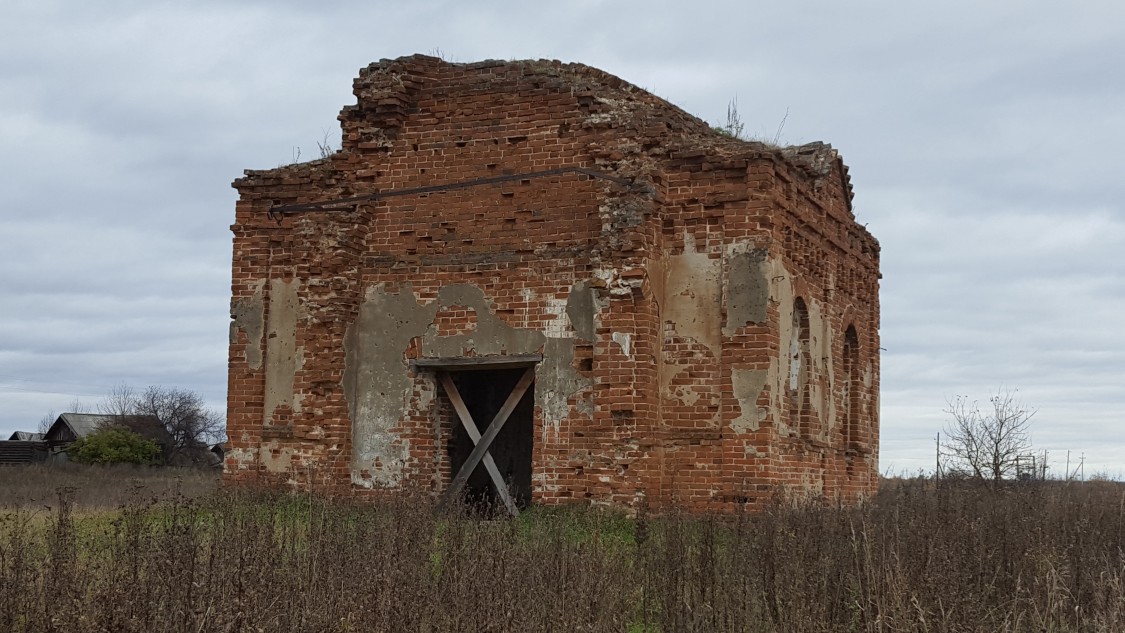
(483, 442)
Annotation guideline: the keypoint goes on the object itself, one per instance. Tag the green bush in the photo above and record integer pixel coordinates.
(114, 445)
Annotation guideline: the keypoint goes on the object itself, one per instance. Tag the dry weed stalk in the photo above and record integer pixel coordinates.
(1019, 558)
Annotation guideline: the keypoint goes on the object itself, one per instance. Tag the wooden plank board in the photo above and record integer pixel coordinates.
(491, 432)
(470, 363)
(474, 434)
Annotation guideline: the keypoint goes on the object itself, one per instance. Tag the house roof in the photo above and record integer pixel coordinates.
(25, 436)
(83, 424)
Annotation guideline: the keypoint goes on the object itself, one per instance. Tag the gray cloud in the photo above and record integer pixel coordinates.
(982, 141)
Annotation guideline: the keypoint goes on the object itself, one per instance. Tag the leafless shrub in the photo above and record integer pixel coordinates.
(1011, 559)
(324, 146)
(988, 444)
(734, 126)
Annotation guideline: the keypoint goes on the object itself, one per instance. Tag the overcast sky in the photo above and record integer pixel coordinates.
(984, 141)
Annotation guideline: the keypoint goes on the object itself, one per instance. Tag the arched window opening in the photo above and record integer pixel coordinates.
(852, 388)
(799, 368)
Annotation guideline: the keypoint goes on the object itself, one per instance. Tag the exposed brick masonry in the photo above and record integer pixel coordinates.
(706, 308)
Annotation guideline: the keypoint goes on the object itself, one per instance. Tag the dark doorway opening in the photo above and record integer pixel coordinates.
(484, 393)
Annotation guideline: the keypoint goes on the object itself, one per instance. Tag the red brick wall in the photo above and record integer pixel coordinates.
(657, 285)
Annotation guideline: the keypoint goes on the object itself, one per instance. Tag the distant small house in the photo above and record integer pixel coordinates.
(22, 451)
(26, 436)
(68, 427)
(220, 452)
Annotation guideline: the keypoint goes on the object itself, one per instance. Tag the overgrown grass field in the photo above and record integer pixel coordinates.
(178, 557)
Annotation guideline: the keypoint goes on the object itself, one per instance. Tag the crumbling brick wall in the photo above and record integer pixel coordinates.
(704, 310)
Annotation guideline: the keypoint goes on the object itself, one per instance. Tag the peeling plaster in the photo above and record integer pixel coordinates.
(692, 296)
(748, 384)
(783, 296)
(560, 325)
(685, 394)
(817, 375)
(822, 365)
(376, 384)
(242, 458)
(248, 314)
(625, 341)
(379, 389)
(747, 290)
(798, 349)
(580, 308)
(283, 357)
(492, 336)
(275, 459)
(426, 395)
(556, 382)
(689, 291)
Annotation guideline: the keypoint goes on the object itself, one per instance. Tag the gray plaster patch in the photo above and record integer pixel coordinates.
(625, 342)
(376, 384)
(275, 458)
(282, 355)
(492, 335)
(556, 381)
(580, 309)
(692, 297)
(748, 290)
(248, 314)
(379, 389)
(748, 385)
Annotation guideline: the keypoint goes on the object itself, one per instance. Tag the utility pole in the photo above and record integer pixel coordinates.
(937, 457)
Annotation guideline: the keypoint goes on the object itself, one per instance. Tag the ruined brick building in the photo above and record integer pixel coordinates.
(649, 307)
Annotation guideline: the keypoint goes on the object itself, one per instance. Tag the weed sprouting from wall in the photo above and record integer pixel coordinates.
(734, 127)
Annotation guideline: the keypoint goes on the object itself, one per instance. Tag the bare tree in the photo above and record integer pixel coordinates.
(121, 400)
(75, 406)
(988, 444)
(182, 412)
(46, 421)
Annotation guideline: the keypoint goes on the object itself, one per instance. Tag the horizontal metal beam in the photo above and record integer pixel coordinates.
(349, 204)
(471, 363)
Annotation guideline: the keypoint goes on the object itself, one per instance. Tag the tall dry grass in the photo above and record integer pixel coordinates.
(1024, 558)
(1046, 557)
(101, 486)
